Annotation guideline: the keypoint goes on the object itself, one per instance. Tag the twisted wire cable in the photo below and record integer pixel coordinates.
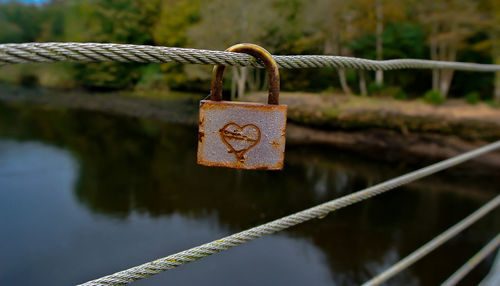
(493, 277)
(99, 52)
(151, 268)
(473, 262)
(434, 243)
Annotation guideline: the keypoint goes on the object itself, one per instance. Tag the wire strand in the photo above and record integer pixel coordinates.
(473, 262)
(101, 52)
(154, 267)
(434, 243)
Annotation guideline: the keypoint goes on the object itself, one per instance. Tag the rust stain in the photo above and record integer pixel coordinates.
(262, 168)
(237, 140)
(276, 145)
(258, 52)
(218, 105)
(278, 166)
(284, 126)
(201, 131)
(248, 135)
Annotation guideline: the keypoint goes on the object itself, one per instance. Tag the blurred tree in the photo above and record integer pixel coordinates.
(370, 17)
(330, 22)
(19, 22)
(52, 20)
(492, 8)
(174, 20)
(376, 29)
(118, 21)
(225, 23)
(449, 23)
(340, 23)
(386, 11)
(379, 10)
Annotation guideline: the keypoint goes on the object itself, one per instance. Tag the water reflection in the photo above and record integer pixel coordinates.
(136, 194)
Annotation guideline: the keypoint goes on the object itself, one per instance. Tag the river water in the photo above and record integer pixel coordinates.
(84, 194)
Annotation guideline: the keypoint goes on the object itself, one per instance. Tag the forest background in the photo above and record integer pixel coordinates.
(448, 30)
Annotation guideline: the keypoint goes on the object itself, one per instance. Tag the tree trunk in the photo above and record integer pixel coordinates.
(379, 75)
(442, 73)
(265, 83)
(258, 79)
(234, 79)
(435, 79)
(449, 54)
(495, 39)
(332, 46)
(241, 81)
(254, 79)
(446, 78)
(497, 86)
(434, 56)
(343, 82)
(362, 83)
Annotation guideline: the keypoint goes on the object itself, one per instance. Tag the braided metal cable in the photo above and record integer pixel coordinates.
(195, 253)
(473, 262)
(493, 276)
(434, 243)
(98, 52)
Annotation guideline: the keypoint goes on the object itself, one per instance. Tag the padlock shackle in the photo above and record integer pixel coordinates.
(258, 52)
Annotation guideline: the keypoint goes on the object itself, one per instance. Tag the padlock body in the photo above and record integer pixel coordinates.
(241, 135)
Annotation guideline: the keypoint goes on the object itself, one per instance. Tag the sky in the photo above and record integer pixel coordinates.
(29, 1)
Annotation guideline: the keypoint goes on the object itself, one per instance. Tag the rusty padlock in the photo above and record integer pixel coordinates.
(243, 135)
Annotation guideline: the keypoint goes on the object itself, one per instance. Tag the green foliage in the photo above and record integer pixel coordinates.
(434, 97)
(19, 22)
(493, 103)
(472, 97)
(401, 40)
(119, 21)
(28, 80)
(176, 17)
(107, 75)
(374, 88)
(395, 92)
(151, 78)
(401, 95)
(386, 91)
(281, 26)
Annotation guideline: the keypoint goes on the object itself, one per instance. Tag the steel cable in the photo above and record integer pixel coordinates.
(99, 52)
(434, 243)
(154, 267)
(473, 262)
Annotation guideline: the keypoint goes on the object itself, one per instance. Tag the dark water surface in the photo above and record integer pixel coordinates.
(85, 194)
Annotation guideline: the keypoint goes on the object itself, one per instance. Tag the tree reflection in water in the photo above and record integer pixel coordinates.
(131, 166)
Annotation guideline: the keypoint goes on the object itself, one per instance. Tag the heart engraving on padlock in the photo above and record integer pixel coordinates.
(240, 139)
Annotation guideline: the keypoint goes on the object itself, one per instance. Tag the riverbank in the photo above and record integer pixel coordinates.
(381, 128)
(328, 111)
(390, 129)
